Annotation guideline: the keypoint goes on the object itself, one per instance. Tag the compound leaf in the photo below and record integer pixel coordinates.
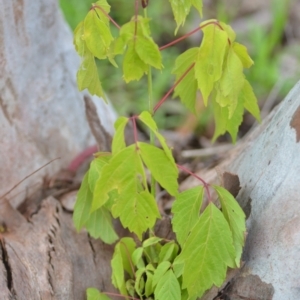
(235, 218)
(209, 244)
(209, 63)
(186, 211)
(168, 288)
(154, 158)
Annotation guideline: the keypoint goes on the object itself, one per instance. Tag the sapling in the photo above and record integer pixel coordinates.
(208, 239)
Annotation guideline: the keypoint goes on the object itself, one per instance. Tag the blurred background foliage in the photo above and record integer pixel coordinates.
(266, 27)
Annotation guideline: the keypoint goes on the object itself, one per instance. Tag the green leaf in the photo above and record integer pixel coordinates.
(133, 67)
(118, 174)
(100, 225)
(168, 287)
(242, 53)
(162, 268)
(147, 119)
(137, 258)
(96, 167)
(230, 32)
(168, 252)
(210, 244)
(130, 287)
(141, 52)
(148, 51)
(209, 64)
(151, 241)
(138, 212)
(154, 158)
(83, 204)
(148, 286)
(94, 294)
(235, 218)
(223, 123)
(97, 35)
(182, 8)
(231, 82)
(249, 100)
(121, 262)
(118, 142)
(186, 211)
(187, 88)
(87, 75)
(139, 284)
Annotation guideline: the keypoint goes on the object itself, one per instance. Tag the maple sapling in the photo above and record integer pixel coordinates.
(208, 239)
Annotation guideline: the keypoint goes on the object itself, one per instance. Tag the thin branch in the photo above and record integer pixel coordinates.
(29, 176)
(109, 17)
(157, 106)
(205, 184)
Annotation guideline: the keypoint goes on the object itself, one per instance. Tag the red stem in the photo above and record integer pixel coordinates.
(157, 106)
(205, 184)
(109, 17)
(190, 33)
(79, 159)
(133, 119)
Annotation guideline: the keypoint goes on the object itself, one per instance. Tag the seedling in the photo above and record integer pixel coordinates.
(208, 239)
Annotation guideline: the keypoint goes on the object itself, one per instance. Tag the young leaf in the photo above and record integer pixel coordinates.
(139, 284)
(147, 119)
(151, 241)
(209, 64)
(118, 142)
(162, 268)
(235, 218)
(187, 88)
(83, 204)
(231, 82)
(105, 7)
(242, 53)
(168, 287)
(121, 262)
(249, 100)
(154, 158)
(148, 286)
(94, 294)
(137, 211)
(186, 211)
(96, 167)
(223, 123)
(87, 75)
(97, 35)
(99, 225)
(182, 8)
(118, 174)
(137, 259)
(133, 67)
(210, 244)
(168, 252)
